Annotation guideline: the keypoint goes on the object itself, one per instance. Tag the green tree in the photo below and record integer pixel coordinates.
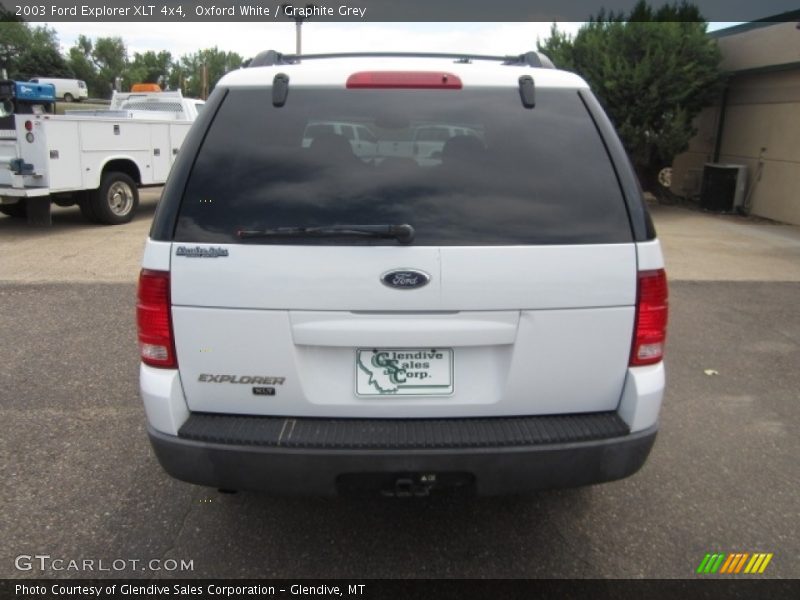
(187, 74)
(26, 52)
(79, 59)
(14, 38)
(110, 58)
(149, 67)
(43, 56)
(653, 71)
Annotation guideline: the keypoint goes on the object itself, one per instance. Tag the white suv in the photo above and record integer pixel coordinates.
(493, 316)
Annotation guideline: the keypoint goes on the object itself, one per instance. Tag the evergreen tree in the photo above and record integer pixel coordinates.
(653, 71)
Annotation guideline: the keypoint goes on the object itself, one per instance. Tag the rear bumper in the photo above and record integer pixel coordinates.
(497, 466)
(22, 192)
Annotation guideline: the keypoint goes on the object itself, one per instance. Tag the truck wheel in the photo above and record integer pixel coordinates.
(116, 200)
(18, 210)
(68, 97)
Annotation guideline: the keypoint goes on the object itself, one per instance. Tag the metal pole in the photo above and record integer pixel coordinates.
(298, 24)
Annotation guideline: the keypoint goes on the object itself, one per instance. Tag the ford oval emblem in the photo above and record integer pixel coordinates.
(405, 279)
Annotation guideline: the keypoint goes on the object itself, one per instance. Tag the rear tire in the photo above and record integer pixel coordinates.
(68, 97)
(116, 200)
(17, 211)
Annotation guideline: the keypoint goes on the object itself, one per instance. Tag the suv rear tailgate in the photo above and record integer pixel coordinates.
(556, 341)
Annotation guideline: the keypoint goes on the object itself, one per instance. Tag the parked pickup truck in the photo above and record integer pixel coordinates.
(168, 106)
(95, 159)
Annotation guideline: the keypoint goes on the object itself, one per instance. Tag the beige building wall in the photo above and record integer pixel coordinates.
(776, 44)
(761, 123)
(687, 168)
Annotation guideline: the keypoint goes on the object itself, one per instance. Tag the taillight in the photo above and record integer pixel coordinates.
(404, 80)
(156, 344)
(651, 318)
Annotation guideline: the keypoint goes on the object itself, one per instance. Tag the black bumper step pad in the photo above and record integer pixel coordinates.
(401, 434)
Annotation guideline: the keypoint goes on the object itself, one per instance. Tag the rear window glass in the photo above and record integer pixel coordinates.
(464, 167)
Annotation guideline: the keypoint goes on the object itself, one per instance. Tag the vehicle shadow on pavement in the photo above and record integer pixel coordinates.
(444, 535)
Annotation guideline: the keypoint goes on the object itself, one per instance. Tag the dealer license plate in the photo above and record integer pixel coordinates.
(404, 371)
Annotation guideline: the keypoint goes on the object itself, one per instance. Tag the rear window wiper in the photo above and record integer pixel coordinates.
(402, 233)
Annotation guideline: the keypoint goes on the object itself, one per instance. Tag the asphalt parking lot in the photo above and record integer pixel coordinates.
(82, 482)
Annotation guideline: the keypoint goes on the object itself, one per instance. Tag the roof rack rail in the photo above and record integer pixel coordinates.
(270, 58)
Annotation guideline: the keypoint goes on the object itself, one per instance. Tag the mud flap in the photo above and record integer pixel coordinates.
(39, 211)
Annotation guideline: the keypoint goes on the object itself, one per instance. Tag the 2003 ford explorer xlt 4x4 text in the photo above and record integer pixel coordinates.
(489, 310)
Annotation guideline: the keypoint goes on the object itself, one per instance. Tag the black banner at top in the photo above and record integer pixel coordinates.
(370, 10)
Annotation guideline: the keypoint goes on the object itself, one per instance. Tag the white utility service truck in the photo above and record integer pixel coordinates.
(95, 159)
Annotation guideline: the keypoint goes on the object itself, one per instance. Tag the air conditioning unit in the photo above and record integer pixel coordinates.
(724, 187)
